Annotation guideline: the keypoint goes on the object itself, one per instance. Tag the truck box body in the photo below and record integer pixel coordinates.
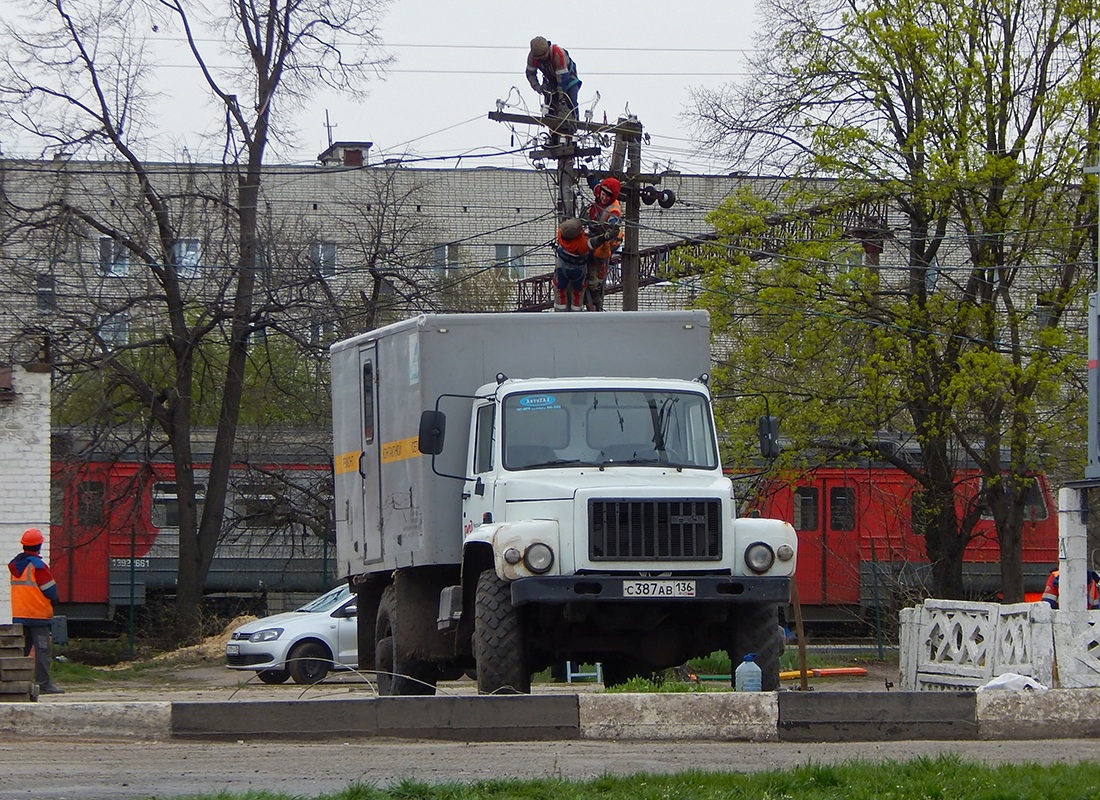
(384, 379)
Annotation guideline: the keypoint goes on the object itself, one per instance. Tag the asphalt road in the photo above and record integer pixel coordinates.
(111, 770)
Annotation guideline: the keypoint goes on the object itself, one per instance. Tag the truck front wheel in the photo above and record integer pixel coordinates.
(498, 639)
(398, 673)
(756, 630)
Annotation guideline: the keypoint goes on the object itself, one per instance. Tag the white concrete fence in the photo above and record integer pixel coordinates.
(948, 645)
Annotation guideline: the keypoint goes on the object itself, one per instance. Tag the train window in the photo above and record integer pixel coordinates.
(842, 508)
(166, 505)
(1035, 506)
(89, 503)
(805, 508)
(259, 506)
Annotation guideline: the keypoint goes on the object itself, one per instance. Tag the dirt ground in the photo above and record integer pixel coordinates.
(199, 673)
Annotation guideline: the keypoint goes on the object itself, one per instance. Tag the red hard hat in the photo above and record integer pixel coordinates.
(32, 537)
(612, 185)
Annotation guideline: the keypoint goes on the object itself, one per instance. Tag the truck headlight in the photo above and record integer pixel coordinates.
(538, 558)
(785, 552)
(759, 557)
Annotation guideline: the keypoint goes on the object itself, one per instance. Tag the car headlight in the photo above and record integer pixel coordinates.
(759, 557)
(266, 635)
(538, 558)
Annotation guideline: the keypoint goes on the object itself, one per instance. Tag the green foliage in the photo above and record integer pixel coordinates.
(929, 777)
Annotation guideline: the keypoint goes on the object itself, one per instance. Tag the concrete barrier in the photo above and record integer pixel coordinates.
(755, 717)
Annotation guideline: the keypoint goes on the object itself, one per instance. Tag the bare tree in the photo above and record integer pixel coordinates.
(76, 80)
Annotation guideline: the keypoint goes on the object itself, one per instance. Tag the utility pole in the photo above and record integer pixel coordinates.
(626, 161)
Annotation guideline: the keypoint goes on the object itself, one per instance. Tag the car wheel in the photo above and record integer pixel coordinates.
(309, 662)
(273, 676)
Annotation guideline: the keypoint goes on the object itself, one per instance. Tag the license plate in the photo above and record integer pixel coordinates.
(232, 649)
(657, 589)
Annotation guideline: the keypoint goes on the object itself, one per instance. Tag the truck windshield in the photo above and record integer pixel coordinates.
(608, 427)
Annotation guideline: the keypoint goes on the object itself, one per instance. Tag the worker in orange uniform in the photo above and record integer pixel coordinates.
(573, 253)
(604, 217)
(33, 593)
(1092, 590)
(559, 74)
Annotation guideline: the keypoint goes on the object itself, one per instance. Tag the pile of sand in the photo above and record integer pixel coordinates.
(212, 648)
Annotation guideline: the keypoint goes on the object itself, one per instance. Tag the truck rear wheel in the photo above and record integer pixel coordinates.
(498, 639)
(398, 673)
(756, 630)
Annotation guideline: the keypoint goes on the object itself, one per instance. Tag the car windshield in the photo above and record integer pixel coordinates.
(606, 427)
(328, 601)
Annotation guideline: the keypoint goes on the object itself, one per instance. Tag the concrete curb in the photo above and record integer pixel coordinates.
(757, 717)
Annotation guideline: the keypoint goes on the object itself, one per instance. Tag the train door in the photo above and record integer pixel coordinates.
(825, 517)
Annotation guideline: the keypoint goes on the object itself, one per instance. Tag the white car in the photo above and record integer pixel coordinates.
(304, 644)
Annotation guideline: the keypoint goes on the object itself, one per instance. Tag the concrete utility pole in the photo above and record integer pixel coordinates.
(626, 160)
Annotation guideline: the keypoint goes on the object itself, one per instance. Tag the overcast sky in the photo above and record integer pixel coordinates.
(456, 58)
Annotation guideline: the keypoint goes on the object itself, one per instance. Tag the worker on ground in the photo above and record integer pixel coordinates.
(1092, 590)
(572, 256)
(33, 593)
(559, 74)
(604, 217)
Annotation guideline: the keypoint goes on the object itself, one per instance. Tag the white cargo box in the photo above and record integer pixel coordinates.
(391, 509)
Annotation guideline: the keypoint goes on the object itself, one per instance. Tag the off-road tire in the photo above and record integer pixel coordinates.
(498, 639)
(274, 676)
(617, 671)
(755, 629)
(398, 674)
(309, 662)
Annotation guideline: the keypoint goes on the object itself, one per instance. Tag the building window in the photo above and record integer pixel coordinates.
(46, 293)
(322, 255)
(114, 259)
(509, 259)
(166, 505)
(114, 329)
(185, 255)
(445, 258)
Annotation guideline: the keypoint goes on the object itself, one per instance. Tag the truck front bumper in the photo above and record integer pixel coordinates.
(611, 588)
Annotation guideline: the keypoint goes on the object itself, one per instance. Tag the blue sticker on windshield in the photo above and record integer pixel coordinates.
(538, 401)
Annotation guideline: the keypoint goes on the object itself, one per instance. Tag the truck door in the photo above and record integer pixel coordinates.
(369, 464)
(478, 494)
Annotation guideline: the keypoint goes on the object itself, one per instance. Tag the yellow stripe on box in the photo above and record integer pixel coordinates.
(347, 462)
(400, 450)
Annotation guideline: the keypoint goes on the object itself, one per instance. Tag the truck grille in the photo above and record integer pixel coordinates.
(654, 530)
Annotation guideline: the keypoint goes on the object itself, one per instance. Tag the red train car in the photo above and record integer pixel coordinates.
(857, 549)
(115, 536)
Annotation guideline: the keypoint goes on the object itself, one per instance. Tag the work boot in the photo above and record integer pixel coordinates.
(50, 688)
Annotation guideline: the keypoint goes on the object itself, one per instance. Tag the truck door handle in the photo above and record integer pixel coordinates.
(362, 455)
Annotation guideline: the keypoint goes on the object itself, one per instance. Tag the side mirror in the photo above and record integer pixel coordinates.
(768, 430)
(433, 429)
(351, 611)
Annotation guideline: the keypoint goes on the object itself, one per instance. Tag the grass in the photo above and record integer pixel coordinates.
(945, 777)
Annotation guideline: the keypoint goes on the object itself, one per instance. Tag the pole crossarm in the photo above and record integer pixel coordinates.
(626, 128)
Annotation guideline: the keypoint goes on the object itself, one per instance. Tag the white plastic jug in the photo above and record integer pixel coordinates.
(747, 676)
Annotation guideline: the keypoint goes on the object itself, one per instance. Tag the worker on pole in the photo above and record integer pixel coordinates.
(604, 217)
(573, 252)
(559, 76)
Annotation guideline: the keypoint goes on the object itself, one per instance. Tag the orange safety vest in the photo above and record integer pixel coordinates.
(27, 599)
(612, 212)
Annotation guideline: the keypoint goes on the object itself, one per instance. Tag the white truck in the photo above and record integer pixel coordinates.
(517, 491)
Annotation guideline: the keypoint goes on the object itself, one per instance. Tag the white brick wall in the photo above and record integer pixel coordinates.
(24, 466)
